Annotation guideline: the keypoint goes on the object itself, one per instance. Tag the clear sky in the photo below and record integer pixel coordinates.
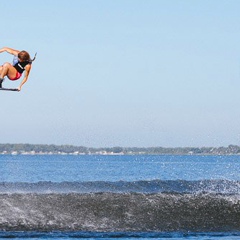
(124, 72)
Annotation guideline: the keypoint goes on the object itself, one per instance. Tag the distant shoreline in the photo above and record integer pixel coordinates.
(51, 149)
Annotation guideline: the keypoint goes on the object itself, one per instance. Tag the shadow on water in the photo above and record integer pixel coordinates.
(117, 235)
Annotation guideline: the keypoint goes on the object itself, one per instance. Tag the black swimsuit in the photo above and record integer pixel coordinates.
(20, 66)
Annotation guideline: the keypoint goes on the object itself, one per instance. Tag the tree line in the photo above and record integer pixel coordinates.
(47, 148)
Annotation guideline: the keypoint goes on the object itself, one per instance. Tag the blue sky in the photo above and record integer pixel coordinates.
(124, 73)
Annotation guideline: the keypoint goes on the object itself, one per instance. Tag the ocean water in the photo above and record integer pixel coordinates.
(126, 197)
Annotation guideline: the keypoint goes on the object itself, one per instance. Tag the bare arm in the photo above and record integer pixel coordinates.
(9, 50)
(27, 71)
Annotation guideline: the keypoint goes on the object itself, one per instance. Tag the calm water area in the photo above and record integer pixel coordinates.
(117, 168)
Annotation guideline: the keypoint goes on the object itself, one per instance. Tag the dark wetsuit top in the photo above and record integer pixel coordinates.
(20, 66)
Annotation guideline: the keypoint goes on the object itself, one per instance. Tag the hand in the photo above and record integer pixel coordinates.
(19, 88)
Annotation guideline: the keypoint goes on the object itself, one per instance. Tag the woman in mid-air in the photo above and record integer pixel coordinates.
(21, 62)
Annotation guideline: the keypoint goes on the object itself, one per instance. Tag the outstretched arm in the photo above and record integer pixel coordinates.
(27, 71)
(9, 50)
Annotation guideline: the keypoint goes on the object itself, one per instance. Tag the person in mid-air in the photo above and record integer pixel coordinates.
(21, 62)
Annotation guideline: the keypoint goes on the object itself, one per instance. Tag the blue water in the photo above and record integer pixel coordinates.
(112, 197)
(116, 168)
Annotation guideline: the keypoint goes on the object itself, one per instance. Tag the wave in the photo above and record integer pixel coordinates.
(119, 212)
(153, 186)
(140, 206)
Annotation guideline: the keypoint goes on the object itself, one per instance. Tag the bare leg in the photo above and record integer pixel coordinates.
(5, 69)
(1, 79)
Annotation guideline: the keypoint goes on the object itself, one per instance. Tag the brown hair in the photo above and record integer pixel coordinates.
(25, 57)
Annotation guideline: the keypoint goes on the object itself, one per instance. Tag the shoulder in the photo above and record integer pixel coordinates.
(28, 67)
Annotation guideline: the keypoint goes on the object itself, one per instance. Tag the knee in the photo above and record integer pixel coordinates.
(6, 65)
